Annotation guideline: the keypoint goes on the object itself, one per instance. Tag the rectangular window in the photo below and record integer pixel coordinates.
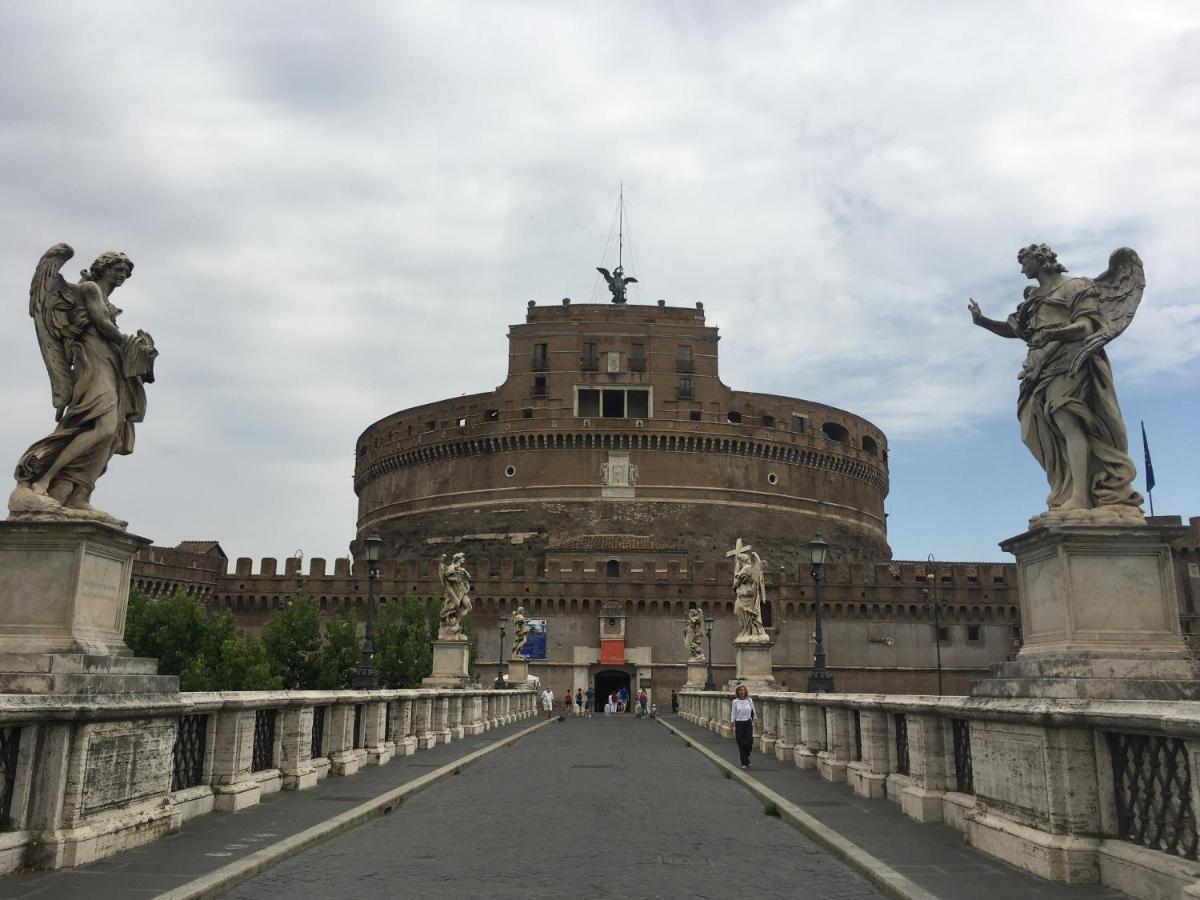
(492, 415)
(527, 413)
(943, 633)
(684, 389)
(613, 404)
(539, 386)
(768, 421)
(683, 358)
(799, 423)
(430, 425)
(637, 351)
(638, 404)
(541, 358)
(695, 415)
(462, 421)
(590, 361)
(973, 633)
(589, 404)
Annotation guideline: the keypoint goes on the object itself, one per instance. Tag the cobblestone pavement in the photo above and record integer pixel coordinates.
(211, 841)
(935, 857)
(587, 808)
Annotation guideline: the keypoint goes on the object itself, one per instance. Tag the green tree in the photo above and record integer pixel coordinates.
(389, 646)
(415, 650)
(340, 654)
(204, 649)
(292, 641)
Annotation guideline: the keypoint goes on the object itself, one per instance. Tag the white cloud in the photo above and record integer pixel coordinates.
(336, 214)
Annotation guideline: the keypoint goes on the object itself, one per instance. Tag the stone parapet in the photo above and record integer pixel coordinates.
(1078, 791)
(97, 774)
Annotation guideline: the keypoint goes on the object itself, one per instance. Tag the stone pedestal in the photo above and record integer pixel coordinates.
(450, 665)
(518, 673)
(1100, 617)
(64, 589)
(697, 675)
(753, 667)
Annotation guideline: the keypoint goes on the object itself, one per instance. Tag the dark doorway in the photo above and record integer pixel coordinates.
(609, 680)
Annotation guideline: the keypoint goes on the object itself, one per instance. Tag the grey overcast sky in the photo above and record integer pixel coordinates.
(335, 211)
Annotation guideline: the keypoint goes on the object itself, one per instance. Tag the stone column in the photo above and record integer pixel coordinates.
(832, 761)
(812, 735)
(339, 739)
(868, 776)
(295, 748)
(1046, 820)
(768, 708)
(785, 742)
(423, 722)
(233, 786)
(928, 769)
(374, 724)
(454, 717)
(402, 733)
(475, 719)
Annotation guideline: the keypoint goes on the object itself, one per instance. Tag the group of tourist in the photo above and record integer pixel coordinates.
(583, 704)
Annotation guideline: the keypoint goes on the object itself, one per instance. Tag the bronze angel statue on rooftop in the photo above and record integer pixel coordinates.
(97, 374)
(1067, 405)
(617, 281)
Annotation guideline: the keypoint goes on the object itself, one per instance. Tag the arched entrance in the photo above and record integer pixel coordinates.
(609, 680)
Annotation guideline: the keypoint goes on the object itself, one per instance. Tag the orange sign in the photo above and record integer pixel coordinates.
(612, 653)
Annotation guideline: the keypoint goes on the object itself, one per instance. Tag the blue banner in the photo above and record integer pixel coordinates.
(535, 643)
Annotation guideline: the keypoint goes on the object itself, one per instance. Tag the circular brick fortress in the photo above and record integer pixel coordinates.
(613, 423)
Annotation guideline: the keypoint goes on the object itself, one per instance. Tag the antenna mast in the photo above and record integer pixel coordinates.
(621, 226)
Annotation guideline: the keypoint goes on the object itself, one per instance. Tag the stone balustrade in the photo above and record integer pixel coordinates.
(1072, 790)
(85, 776)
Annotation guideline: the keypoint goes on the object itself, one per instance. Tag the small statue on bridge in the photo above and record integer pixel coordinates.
(520, 633)
(750, 592)
(617, 281)
(692, 634)
(97, 374)
(456, 602)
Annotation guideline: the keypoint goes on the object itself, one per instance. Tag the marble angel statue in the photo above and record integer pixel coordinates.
(520, 633)
(1067, 404)
(692, 634)
(456, 600)
(97, 377)
(750, 592)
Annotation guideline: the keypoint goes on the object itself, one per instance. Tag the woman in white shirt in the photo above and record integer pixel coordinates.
(741, 714)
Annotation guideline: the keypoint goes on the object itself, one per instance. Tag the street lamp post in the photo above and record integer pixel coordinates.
(366, 678)
(500, 660)
(931, 600)
(820, 681)
(709, 684)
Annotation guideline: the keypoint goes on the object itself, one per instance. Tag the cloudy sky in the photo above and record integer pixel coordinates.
(335, 211)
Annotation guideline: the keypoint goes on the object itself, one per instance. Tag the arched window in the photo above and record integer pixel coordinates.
(835, 432)
(869, 445)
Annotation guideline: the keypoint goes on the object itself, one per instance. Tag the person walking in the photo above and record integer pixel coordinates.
(567, 701)
(641, 702)
(591, 700)
(547, 701)
(674, 703)
(741, 714)
(579, 701)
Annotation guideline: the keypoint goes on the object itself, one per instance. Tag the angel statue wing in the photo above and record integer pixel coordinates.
(1117, 293)
(59, 318)
(607, 275)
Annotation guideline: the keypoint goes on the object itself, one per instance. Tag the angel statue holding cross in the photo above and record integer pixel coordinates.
(1067, 406)
(750, 592)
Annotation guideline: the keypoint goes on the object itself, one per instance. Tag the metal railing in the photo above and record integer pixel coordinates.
(263, 755)
(1152, 789)
(191, 742)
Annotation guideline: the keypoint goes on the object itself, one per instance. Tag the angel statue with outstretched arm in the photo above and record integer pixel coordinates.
(97, 375)
(456, 602)
(1067, 405)
(617, 281)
